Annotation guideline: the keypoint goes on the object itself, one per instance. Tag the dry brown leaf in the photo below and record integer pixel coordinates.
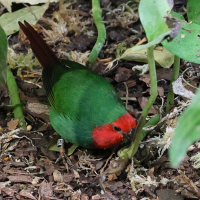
(76, 174)
(122, 74)
(96, 197)
(84, 197)
(143, 101)
(164, 73)
(10, 192)
(145, 78)
(160, 91)
(117, 165)
(75, 195)
(49, 167)
(57, 176)
(12, 125)
(46, 190)
(112, 177)
(131, 83)
(38, 108)
(3, 184)
(26, 193)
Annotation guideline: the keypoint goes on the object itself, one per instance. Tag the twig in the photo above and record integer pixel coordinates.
(141, 41)
(186, 81)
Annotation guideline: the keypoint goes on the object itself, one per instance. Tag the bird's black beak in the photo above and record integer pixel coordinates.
(130, 136)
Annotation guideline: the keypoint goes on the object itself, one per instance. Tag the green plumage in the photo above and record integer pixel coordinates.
(81, 100)
(83, 104)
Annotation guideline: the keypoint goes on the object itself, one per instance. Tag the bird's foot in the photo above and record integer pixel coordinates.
(63, 157)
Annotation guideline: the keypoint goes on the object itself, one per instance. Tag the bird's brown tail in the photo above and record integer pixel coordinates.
(43, 52)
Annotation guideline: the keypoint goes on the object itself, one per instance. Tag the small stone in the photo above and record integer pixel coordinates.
(29, 127)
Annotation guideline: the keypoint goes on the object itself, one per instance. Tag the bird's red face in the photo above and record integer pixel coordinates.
(109, 135)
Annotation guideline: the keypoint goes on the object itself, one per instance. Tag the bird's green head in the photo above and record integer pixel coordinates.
(111, 134)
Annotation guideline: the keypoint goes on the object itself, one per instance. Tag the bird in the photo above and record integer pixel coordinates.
(85, 109)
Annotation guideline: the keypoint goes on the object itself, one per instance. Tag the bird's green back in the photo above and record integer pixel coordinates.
(83, 100)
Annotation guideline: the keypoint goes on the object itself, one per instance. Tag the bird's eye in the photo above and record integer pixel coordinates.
(117, 128)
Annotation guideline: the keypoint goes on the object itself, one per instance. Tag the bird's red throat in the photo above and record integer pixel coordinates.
(105, 136)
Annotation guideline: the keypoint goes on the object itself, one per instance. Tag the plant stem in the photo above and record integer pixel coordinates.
(175, 73)
(153, 121)
(130, 152)
(15, 100)
(96, 10)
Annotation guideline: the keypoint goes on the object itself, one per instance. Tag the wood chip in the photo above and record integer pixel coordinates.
(20, 179)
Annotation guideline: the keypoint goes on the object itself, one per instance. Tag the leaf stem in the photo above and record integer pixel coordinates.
(96, 10)
(175, 73)
(130, 152)
(15, 100)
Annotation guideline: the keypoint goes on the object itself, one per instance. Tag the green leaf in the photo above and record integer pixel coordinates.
(193, 11)
(152, 15)
(163, 58)
(127, 55)
(3, 55)
(71, 150)
(177, 15)
(9, 21)
(53, 144)
(186, 44)
(187, 131)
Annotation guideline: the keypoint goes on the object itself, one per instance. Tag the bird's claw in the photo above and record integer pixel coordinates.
(63, 157)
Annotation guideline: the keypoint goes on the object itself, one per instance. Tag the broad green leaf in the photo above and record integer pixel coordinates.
(187, 131)
(193, 11)
(9, 21)
(177, 15)
(129, 52)
(71, 150)
(8, 3)
(152, 15)
(3, 55)
(163, 58)
(186, 44)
